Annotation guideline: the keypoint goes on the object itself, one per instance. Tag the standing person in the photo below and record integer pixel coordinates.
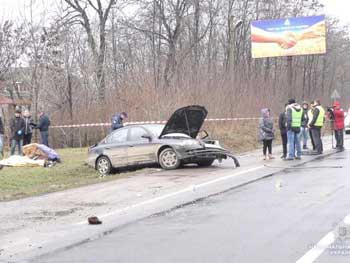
(304, 130)
(117, 120)
(310, 116)
(43, 126)
(294, 117)
(2, 131)
(282, 123)
(266, 133)
(17, 131)
(338, 125)
(316, 125)
(28, 127)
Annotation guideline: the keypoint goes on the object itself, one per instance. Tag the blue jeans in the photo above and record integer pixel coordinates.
(18, 144)
(1, 146)
(293, 144)
(44, 138)
(304, 135)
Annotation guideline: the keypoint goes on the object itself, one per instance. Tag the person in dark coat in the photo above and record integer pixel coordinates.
(304, 130)
(43, 126)
(17, 131)
(2, 131)
(117, 120)
(282, 123)
(266, 133)
(310, 117)
(28, 128)
(338, 124)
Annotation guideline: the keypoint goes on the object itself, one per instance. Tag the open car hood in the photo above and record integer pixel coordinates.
(187, 120)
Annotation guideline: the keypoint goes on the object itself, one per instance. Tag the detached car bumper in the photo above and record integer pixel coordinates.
(207, 152)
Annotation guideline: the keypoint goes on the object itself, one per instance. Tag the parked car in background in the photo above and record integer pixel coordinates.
(169, 145)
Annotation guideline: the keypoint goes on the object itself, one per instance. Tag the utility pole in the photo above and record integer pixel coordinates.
(291, 93)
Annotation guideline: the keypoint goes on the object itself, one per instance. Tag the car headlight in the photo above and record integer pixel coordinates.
(189, 143)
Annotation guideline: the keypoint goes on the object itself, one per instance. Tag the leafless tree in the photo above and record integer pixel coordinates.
(98, 48)
(12, 43)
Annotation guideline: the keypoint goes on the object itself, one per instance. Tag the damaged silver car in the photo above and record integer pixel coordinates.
(170, 145)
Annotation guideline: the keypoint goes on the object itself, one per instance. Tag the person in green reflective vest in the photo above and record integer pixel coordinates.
(294, 115)
(316, 125)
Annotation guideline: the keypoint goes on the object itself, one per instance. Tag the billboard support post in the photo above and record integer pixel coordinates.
(290, 76)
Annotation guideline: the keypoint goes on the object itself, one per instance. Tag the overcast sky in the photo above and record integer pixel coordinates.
(14, 8)
(339, 8)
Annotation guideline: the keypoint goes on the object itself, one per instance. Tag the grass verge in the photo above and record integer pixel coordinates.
(16, 183)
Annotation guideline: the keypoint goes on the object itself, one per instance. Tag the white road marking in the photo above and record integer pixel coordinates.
(347, 220)
(163, 197)
(321, 246)
(228, 177)
(317, 250)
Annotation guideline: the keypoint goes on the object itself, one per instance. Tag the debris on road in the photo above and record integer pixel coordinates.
(278, 185)
(94, 220)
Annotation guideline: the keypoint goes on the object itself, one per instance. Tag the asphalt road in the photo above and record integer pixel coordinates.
(278, 219)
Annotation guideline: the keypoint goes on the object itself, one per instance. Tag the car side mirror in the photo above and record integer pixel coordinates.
(146, 136)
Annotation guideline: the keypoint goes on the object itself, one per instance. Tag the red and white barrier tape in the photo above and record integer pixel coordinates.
(143, 122)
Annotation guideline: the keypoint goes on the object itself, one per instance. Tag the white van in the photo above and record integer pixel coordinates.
(347, 122)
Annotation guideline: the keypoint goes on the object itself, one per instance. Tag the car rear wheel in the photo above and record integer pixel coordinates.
(103, 165)
(205, 163)
(168, 159)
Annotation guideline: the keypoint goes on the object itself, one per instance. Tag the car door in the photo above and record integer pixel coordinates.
(116, 147)
(141, 150)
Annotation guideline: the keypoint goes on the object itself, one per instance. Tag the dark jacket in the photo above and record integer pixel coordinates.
(28, 125)
(297, 107)
(2, 130)
(117, 122)
(282, 123)
(17, 128)
(266, 130)
(44, 123)
(305, 119)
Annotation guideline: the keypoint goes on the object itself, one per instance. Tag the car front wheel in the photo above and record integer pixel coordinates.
(104, 166)
(168, 159)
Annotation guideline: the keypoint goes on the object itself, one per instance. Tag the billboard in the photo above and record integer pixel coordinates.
(288, 37)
